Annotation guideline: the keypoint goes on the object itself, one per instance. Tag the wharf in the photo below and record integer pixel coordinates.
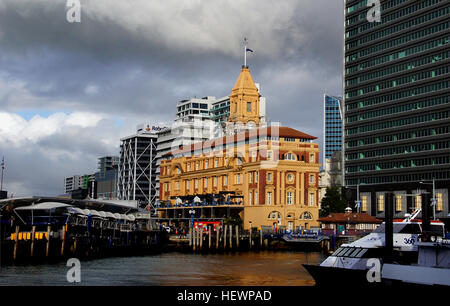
(38, 229)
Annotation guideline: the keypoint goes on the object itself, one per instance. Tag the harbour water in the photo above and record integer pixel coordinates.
(264, 268)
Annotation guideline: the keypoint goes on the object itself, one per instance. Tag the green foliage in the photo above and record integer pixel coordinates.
(236, 220)
(333, 201)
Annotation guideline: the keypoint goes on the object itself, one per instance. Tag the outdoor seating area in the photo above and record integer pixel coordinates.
(220, 199)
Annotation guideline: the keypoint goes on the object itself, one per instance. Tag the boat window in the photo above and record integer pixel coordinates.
(411, 229)
(437, 229)
(361, 253)
(349, 250)
(353, 254)
(397, 228)
(336, 253)
(340, 251)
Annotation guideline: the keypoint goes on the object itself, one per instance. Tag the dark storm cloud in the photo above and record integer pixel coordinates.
(135, 59)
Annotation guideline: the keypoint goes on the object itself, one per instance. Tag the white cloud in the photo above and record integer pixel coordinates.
(18, 131)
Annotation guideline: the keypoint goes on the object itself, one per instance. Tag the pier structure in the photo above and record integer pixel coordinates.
(39, 228)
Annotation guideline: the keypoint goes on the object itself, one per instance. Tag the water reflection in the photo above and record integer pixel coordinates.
(264, 268)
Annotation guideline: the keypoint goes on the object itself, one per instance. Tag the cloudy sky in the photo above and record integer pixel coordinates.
(69, 91)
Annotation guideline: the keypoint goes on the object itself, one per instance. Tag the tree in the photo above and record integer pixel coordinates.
(235, 220)
(333, 201)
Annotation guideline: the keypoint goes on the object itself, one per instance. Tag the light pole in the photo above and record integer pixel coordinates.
(434, 197)
(192, 212)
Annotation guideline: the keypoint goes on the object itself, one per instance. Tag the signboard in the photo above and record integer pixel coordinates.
(205, 224)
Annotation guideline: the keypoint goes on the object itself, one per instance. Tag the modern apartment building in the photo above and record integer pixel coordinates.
(75, 182)
(106, 177)
(396, 97)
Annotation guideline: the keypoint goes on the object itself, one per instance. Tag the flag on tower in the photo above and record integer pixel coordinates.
(248, 50)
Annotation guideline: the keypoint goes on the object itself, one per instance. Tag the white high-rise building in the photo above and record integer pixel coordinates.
(137, 167)
(74, 182)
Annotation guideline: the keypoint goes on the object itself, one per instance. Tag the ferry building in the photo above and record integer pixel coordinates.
(266, 175)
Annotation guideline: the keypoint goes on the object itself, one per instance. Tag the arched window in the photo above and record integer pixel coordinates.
(307, 215)
(274, 215)
(289, 156)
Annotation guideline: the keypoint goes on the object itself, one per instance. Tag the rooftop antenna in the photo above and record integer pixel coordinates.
(3, 168)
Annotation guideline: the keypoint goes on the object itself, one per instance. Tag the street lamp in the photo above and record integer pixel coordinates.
(192, 213)
(434, 197)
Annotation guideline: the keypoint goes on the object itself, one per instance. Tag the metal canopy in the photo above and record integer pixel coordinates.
(44, 206)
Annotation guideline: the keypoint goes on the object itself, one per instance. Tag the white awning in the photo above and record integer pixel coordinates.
(43, 206)
(178, 201)
(95, 213)
(86, 212)
(110, 215)
(76, 210)
(131, 217)
(102, 213)
(197, 199)
(117, 216)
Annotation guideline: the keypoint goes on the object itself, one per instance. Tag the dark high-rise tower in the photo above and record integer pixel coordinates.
(396, 97)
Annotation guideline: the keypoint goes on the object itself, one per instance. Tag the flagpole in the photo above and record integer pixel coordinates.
(3, 168)
(245, 55)
(245, 51)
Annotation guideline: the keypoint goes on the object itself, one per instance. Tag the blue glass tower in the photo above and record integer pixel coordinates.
(332, 122)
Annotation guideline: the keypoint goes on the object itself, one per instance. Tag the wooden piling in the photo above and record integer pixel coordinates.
(250, 239)
(231, 236)
(217, 237)
(33, 233)
(63, 243)
(224, 237)
(47, 250)
(260, 238)
(194, 237)
(209, 237)
(237, 236)
(16, 242)
(190, 237)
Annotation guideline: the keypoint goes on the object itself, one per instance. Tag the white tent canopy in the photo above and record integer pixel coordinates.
(76, 210)
(43, 206)
(110, 215)
(197, 199)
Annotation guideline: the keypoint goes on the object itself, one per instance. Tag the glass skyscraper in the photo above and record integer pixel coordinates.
(396, 97)
(332, 125)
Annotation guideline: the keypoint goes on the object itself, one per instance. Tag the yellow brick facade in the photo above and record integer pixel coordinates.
(272, 171)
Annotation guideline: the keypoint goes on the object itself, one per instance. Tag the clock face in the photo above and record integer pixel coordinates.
(251, 124)
(290, 177)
